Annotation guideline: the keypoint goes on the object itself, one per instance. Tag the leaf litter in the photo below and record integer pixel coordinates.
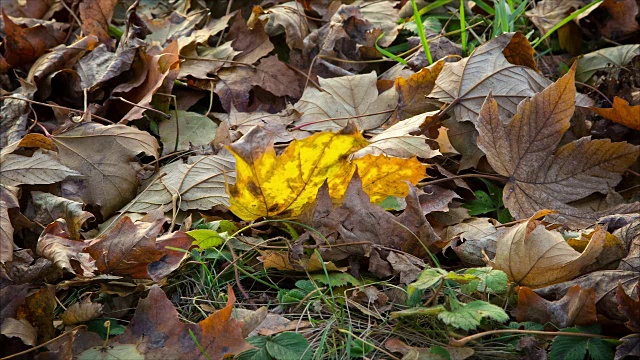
(160, 159)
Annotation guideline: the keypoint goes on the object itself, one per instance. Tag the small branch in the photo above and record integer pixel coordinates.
(466, 176)
(166, 116)
(597, 91)
(340, 118)
(57, 107)
(435, 294)
(462, 342)
(220, 60)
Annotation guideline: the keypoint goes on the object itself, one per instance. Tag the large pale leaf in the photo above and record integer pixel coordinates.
(41, 168)
(187, 128)
(198, 184)
(541, 176)
(535, 257)
(605, 59)
(398, 140)
(269, 185)
(548, 13)
(347, 98)
(107, 157)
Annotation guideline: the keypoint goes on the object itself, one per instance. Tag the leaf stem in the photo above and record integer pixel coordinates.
(466, 176)
(57, 107)
(462, 342)
(340, 118)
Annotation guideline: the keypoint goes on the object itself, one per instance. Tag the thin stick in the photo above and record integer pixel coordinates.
(220, 60)
(235, 271)
(56, 107)
(597, 91)
(340, 118)
(462, 342)
(72, 332)
(166, 116)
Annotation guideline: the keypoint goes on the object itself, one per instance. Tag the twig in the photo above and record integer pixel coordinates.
(597, 91)
(70, 332)
(466, 176)
(56, 107)
(340, 118)
(166, 116)
(435, 294)
(235, 271)
(462, 342)
(220, 60)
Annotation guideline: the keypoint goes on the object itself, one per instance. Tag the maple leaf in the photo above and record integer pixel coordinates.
(541, 176)
(534, 256)
(622, 113)
(281, 186)
(347, 98)
(577, 307)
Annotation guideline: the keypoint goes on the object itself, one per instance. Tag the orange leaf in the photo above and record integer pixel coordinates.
(621, 113)
(577, 307)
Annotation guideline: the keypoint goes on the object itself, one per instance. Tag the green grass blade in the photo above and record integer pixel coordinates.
(389, 54)
(482, 5)
(463, 28)
(423, 38)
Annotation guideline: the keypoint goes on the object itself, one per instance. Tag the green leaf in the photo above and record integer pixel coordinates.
(575, 348)
(97, 326)
(468, 316)
(336, 279)
(482, 204)
(289, 346)
(359, 348)
(428, 278)
(461, 278)
(188, 128)
(205, 238)
(495, 281)
(434, 310)
(260, 353)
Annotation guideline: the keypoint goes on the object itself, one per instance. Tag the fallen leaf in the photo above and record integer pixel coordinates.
(174, 26)
(32, 9)
(621, 113)
(433, 353)
(110, 173)
(281, 260)
(630, 235)
(382, 15)
(347, 98)
(535, 257)
(358, 220)
(38, 309)
(101, 65)
(48, 208)
(281, 186)
(413, 90)
(630, 347)
(629, 307)
(14, 114)
(55, 244)
(41, 168)
(23, 45)
(200, 61)
(398, 141)
(577, 307)
(8, 201)
(199, 184)
(187, 128)
(21, 329)
(548, 13)
(621, 20)
(243, 122)
(276, 77)
(541, 176)
(471, 238)
(95, 16)
(287, 18)
(81, 312)
(156, 331)
(610, 59)
(444, 143)
(605, 284)
(435, 198)
(253, 44)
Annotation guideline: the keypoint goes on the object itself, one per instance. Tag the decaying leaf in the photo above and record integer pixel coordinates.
(535, 257)
(55, 244)
(187, 128)
(621, 113)
(81, 311)
(541, 177)
(48, 208)
(14, 114)
(8, 201)
(610, 59)
(25, 44)
(286, 17)
(347, 98)
(629, 307)
(281, 186)
(357, 220)
(96, 16)
(199, 184)
(107, 157)
(471, 238)
(413, 90)
(41, 168)
(577, 307)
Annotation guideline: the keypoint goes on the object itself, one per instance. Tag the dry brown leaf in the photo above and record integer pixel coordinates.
(541, 176)
(413, 90)
(471, 238)
(14, 114)
(630, 307)
(346, 98)
(621, 20)
(21, 329)
(8, 201)
(55, 244)
(199, 61)
(174, 26)
(40, 9)
(81, 311)
(630, 235)
(48, 207)
(535, 257)
(621, 113)
(243, 122)
(610, 59)
(95, 16)
(253, 44)
(23, 45)
(286, 17)
(198, 184)
(548, 13)
(281, 260)
(107, 157)
(398, 141)
(577, 307)
(41, 168)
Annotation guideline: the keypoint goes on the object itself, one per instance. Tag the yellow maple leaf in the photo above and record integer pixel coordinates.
(272, 186)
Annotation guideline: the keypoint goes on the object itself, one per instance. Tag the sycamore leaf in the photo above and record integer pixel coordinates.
(281, 186)
(198, 184)
(534, 256)
(41, 168)
(399, 141)
(346, 98)
(413, 90)
(577, 307)
(107, 157)
(468, 316)
(621, 113)
(541, 176)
